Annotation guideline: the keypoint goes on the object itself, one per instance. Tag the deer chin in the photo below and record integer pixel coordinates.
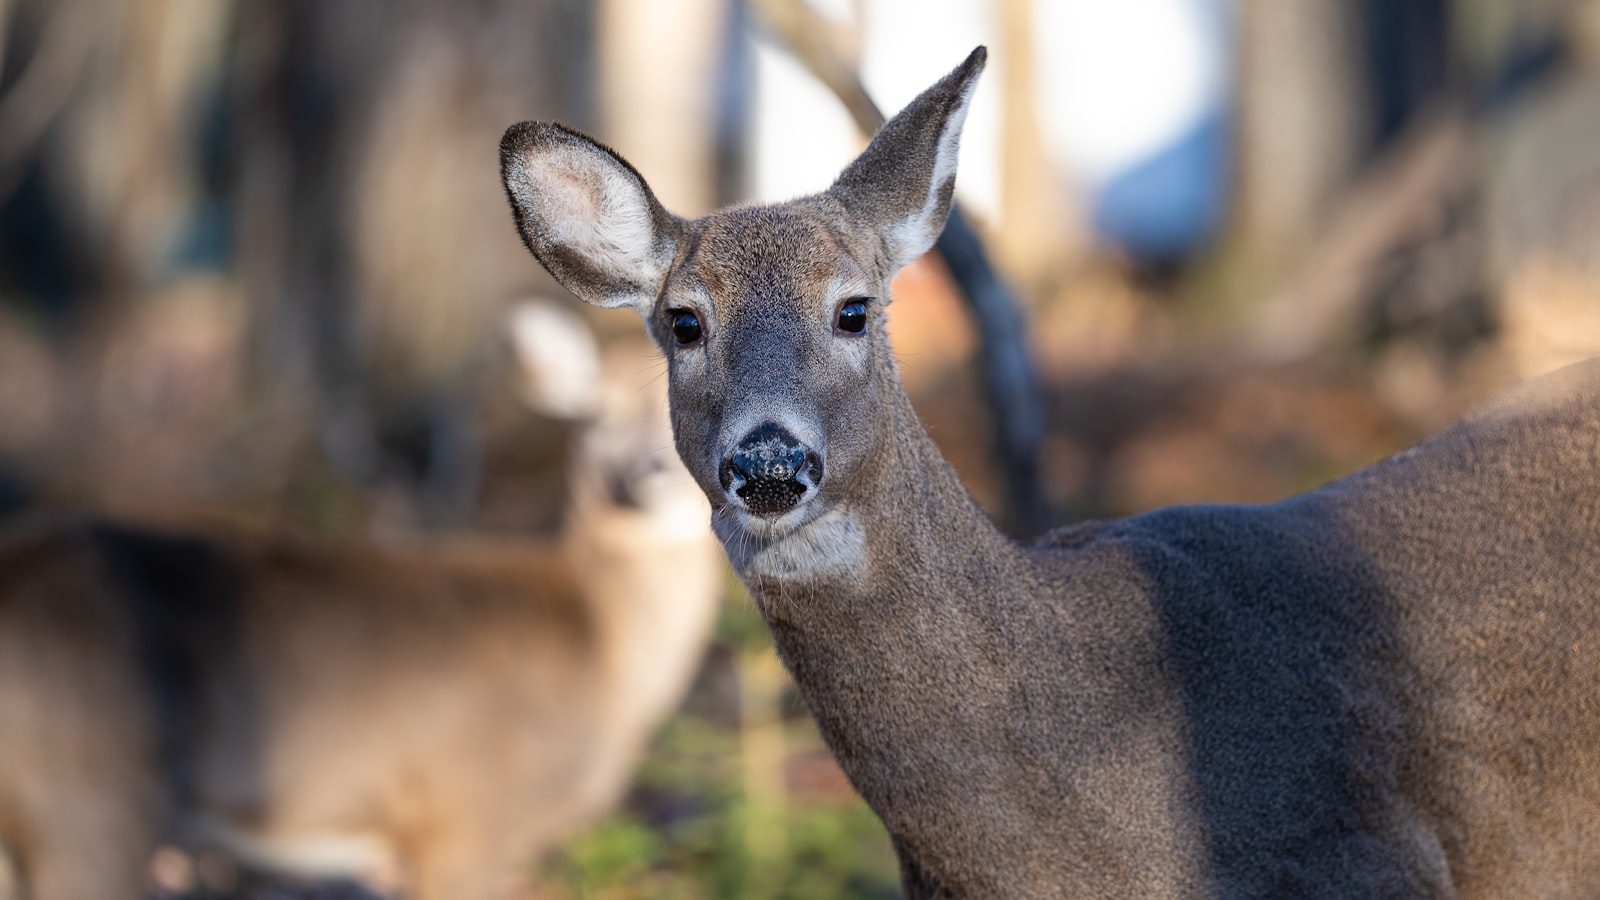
(737, 526)
(805, 544)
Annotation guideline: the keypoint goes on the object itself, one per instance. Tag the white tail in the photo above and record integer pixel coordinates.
(1387, 687)
(441, 712)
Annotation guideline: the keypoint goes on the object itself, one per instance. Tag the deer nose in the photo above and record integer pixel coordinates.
(770, 471)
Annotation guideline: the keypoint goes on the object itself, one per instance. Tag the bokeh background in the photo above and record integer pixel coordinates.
(255, 262)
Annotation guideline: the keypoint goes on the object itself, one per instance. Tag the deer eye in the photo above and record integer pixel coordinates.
(685, 326)
(853, 316)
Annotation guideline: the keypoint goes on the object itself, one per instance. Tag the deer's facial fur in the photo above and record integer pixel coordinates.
(776, 408)
(829, 547)
(767, 285)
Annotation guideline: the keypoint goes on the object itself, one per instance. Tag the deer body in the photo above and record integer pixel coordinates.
(1387, 687)
(1377, 689)
(437, 713)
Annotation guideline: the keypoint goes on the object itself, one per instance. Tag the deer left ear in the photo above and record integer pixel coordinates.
(587, 215)
(902, 184)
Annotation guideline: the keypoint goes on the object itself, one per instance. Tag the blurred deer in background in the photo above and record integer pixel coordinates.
(1388, 687)
(440, 712)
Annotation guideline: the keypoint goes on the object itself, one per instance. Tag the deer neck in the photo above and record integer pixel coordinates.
(891, 593)
(921, 664)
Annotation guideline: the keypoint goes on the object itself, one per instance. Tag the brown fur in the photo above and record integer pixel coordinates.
(1389, 687)
(441, 710)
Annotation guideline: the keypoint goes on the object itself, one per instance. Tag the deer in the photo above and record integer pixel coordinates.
(426, 715)
(1386, 687)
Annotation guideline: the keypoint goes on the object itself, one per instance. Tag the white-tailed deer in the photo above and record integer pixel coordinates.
(440, 712)
(1387, 687)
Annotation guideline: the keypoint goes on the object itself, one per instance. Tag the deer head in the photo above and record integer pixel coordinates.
(771, 317)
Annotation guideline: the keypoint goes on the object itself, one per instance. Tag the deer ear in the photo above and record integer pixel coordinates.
(587, 216)
(902, 184)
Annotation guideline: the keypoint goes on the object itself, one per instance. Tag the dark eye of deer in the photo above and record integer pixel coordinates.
(685, 326)
(853, 316)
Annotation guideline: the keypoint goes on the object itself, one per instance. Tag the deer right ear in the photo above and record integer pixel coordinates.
(587, 216)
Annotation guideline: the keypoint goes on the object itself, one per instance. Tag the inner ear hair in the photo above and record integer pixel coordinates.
(587, 215)
(904, 182)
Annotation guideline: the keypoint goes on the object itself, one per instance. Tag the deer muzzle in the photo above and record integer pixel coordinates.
(770, 472)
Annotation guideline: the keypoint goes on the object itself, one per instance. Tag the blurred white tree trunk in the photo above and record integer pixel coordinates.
(1302, 121)
(658, 68)
(1041, 232)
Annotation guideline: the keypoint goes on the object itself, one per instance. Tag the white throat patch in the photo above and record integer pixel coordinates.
(830, 547)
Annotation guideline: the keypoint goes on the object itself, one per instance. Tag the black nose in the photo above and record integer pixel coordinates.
(769, 471)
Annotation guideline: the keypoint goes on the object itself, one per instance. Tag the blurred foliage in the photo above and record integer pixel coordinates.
(694, 829)
(822, 850)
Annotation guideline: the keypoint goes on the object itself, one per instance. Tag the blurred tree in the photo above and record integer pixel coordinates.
(1039, 239)
(1301, 121)
(370, 219)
